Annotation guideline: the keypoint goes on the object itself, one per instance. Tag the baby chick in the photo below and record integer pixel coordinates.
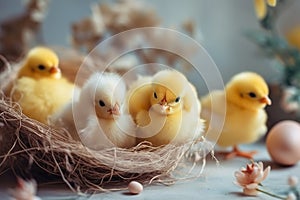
(40, 90)
(246, 95)
(136, 94)
(40, 62)
(166, 109)
(104, 94)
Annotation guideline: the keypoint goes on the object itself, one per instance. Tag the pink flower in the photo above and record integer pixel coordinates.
(250, 177)
(25, 190)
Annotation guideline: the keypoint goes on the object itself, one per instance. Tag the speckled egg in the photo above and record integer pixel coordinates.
(283, 142)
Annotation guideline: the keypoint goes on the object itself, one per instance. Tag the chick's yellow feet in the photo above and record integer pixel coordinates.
(238, 153)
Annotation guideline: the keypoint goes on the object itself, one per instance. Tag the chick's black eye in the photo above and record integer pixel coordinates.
(177, 99)
(41, 67)
(155, 95)
(101, 103)
(252, 94)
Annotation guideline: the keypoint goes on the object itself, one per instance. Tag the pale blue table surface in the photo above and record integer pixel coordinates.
(216, 182)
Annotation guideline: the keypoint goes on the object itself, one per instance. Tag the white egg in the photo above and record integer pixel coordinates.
(135, 187)
(283, 142)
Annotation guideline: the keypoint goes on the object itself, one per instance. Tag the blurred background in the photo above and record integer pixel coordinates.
(231, 32)
(220, 28)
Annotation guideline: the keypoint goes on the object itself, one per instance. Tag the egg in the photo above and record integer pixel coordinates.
(135, 187)
(283, 142)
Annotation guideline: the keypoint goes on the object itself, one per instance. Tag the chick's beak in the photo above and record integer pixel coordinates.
(115, 110)
(265, 100)
(54, 70)
(163, 102)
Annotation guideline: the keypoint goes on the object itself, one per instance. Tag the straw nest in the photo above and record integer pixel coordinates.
(30, 147)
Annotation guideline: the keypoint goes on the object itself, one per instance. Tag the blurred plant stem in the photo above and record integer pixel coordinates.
(278, 48)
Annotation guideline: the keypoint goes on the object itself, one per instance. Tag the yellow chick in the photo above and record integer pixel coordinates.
(165, 108)
(136, 94)
(40, 62)
(246, 95)
(110, 126)
(40, 90)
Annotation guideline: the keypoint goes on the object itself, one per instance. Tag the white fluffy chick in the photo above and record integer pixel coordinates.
(103, 122)
(192, 125)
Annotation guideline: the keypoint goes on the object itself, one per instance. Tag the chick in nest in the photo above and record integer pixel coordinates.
(98, 116)
(165, 108)
(246, 95)
(40, 88)
(111, 126)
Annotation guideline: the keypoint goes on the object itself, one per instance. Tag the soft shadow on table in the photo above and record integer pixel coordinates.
(129, 194)
(275, 166)
(238, 194)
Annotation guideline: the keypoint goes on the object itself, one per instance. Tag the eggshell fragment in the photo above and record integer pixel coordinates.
(135, 187)
(283, 142)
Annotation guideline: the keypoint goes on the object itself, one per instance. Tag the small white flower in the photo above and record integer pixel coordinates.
(291, 196)
(26, 190)
(293, 181)
(286, 103)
